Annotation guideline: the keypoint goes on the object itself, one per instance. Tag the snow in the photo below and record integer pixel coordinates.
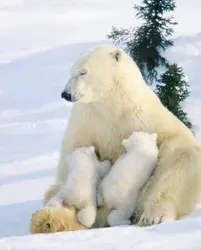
(39, 42)
(177, 235)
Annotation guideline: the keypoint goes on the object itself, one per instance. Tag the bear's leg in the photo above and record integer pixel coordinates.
(87, 216)
(174, 188)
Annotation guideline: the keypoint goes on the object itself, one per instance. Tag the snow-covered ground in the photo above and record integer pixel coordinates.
(39, 40)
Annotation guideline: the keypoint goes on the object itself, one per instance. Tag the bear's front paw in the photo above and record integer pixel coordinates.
(156, 214)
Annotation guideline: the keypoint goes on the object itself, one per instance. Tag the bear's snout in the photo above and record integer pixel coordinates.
(66, 96)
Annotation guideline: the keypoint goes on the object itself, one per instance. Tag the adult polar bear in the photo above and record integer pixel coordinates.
(111, 100)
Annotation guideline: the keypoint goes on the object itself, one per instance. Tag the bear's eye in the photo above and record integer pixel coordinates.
(47, 225)
(83, 73)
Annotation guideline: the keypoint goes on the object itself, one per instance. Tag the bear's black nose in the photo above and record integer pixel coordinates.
(66, 96)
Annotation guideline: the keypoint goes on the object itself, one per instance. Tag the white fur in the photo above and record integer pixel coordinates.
(119, 190)
(85, 173)
(112, 101)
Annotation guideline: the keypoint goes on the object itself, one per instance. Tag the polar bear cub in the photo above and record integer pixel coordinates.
(85, 172)
(120, 188)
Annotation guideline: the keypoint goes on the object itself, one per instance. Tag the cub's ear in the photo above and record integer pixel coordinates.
(125, 142)
(154, 136)
(90, 149)
(58, 204)
(116, 55)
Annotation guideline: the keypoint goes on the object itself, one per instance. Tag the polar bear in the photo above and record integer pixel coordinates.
(134, 168)
(85, 172)
(111, 100)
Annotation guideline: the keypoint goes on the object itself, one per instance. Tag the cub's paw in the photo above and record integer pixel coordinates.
(54, 201)
(156, 214)
(57, 200)
(87, 216)
(116, 218)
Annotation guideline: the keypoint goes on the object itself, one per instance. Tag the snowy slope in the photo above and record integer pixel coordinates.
(39, 41)
(178, 235)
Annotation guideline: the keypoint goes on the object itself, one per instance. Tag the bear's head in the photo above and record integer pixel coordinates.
(141, 140)
(97, 74)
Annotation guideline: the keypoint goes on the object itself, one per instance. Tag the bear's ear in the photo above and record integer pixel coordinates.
(116, 55)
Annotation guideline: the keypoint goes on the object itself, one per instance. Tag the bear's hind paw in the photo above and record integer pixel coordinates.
(146, 220)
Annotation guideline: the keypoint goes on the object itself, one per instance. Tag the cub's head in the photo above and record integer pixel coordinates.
(81, 155)
(96, 74)
(55, 219)
(85, 150)
(143, 140)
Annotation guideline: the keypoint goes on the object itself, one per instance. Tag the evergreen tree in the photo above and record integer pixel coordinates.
(145, 43)
(172, 89)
